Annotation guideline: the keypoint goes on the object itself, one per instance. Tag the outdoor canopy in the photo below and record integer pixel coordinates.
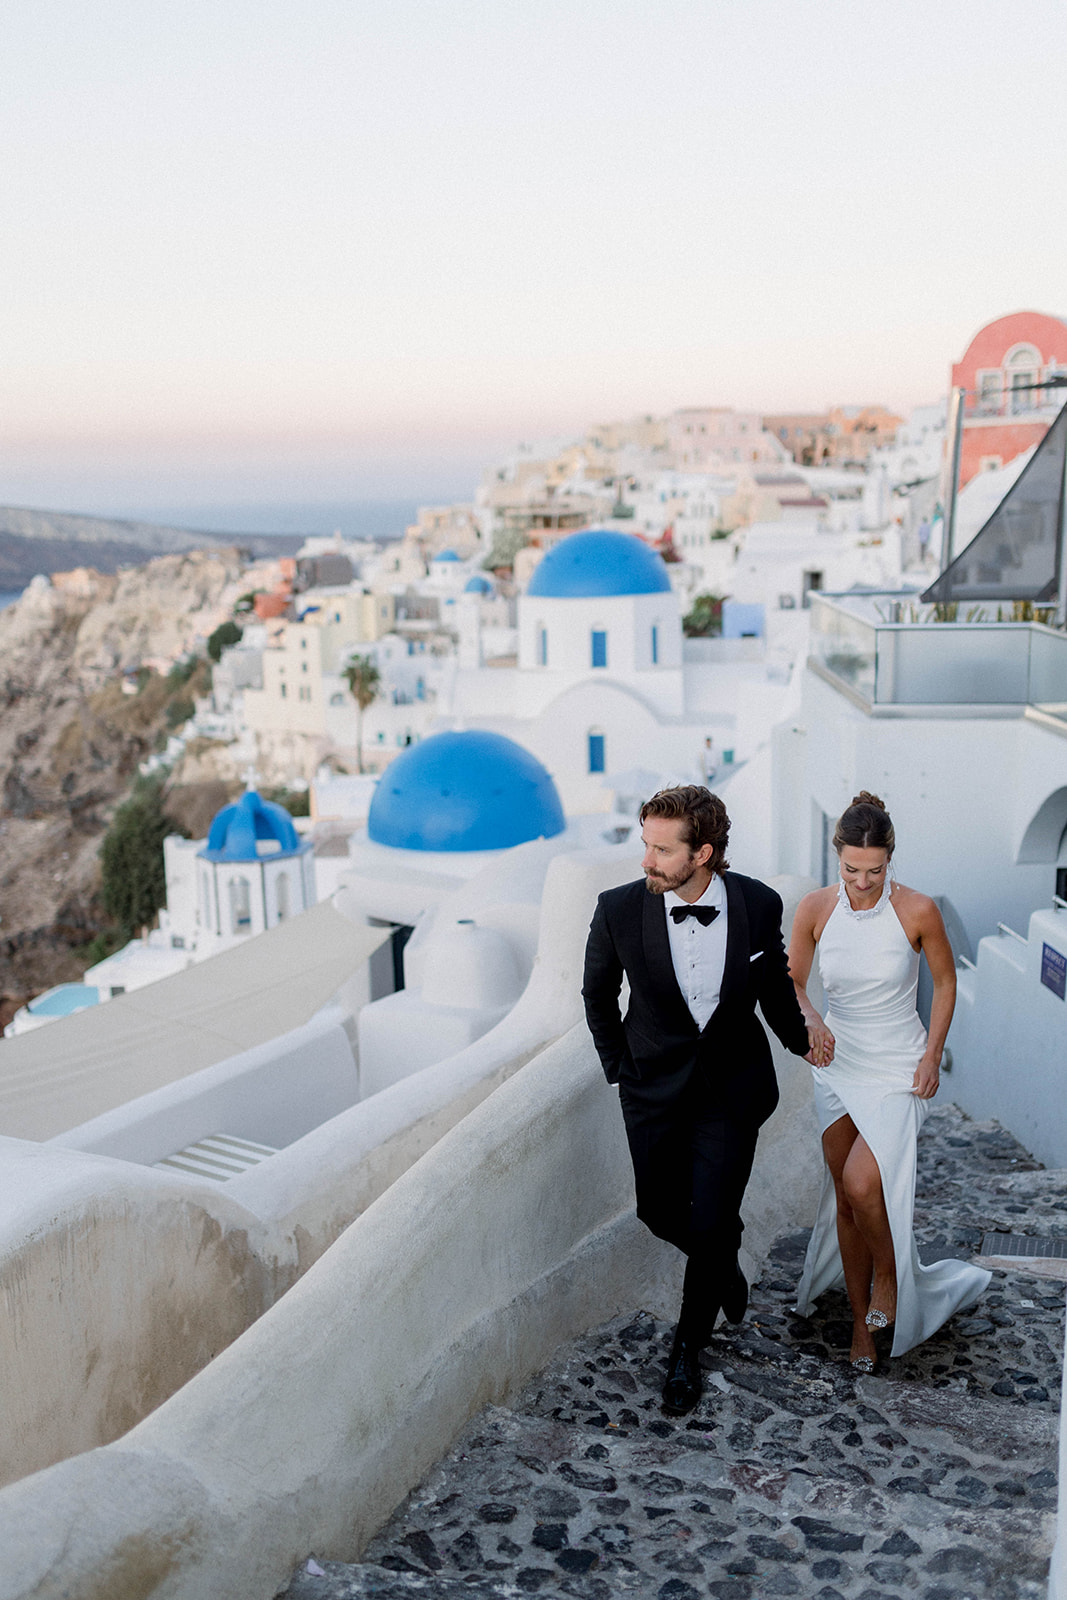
(1016, 554)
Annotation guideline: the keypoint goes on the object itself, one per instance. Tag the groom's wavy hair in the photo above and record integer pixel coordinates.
(865, 825)
(702, 815)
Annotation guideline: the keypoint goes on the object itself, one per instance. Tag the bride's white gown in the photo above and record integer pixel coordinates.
(870, 974)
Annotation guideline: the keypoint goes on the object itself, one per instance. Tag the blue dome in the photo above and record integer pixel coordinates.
(599, 562)
(464, 791)
(238, 829)
(479, 584)
(446, 555)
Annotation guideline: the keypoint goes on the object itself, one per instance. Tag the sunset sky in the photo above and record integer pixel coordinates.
(255, 251)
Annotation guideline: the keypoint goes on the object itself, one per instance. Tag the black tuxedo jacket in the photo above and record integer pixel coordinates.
(654, 1051)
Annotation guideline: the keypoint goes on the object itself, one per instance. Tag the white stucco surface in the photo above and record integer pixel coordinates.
(963, 788)
(272, 1094)
(513, 1233)
(1009, 1039)
(79, 1067)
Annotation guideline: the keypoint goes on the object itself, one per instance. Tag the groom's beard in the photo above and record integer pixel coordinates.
(660, 883)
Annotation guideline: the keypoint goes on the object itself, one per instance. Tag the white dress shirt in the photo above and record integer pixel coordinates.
(699, 953)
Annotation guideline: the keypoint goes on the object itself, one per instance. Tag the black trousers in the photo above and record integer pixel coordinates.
(691, 1166)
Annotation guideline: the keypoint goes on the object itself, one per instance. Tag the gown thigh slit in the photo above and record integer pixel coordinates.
(870, 974)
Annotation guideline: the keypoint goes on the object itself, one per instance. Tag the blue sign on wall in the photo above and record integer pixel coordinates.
(1054, 970)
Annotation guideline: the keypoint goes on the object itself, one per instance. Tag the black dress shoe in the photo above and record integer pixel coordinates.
(735, 1298)
(684, 1385)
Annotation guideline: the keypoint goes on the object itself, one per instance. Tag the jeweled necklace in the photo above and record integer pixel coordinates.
(866, 911)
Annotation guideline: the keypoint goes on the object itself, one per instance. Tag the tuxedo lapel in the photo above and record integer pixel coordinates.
(738, 943)
(657, 950)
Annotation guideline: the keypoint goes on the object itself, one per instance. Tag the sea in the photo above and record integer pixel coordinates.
(355, 519)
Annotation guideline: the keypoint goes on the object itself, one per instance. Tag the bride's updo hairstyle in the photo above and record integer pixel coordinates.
(865, 825)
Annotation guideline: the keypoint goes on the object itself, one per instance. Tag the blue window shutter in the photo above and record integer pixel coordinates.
(596, 752)
(600, 648)
(655, 644)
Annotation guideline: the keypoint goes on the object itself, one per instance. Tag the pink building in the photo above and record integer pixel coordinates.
(704, 438)
(1002, 369)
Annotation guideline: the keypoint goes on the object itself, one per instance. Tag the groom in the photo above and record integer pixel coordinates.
(700, 946)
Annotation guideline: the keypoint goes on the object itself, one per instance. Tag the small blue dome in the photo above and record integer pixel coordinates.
(479, 584)
(446, 555)
(599, 562)
(464, 791)
(238, 829)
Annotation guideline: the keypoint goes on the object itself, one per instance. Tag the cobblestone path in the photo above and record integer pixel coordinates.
(936, 1480)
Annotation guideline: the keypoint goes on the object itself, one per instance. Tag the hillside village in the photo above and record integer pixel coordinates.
(88, 655)
(268, 1156)
(107, 676)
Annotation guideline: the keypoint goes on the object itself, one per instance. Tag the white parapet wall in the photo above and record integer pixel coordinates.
(120, 1290)
(1009, 1036)
(513, 1233)
(272, 1094)
(119, 1283)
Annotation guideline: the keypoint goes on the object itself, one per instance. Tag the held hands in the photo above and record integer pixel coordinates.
(927, 1076)
(821, 1042)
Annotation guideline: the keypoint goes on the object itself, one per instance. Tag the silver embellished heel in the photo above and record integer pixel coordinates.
(877, 1320)
(864, 1364)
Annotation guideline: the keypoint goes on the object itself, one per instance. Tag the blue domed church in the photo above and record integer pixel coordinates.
(254, 870)
(464, 792)
(600, 603)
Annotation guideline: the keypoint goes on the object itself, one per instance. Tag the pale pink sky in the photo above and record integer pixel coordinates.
(261, 250)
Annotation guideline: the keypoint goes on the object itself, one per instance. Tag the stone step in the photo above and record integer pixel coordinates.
(935, 1478)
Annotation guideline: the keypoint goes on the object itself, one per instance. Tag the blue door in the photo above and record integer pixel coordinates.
(600, 648)
(596, 752)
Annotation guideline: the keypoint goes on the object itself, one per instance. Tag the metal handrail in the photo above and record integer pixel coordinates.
(964, 962)
(1058, 903)
(1002, 927)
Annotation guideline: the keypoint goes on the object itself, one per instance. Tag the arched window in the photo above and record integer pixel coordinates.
(282, 895)
(240, 905)
(655, 644)
(542, 645)
(1023, 366)
(598, 642)
(596, 750)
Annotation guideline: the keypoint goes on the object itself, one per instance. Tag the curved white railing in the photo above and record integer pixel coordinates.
(514, 1233)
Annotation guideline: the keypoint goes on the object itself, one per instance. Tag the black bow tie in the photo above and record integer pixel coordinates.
(705, 915)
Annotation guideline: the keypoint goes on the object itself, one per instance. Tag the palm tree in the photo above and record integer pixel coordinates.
(365, 682)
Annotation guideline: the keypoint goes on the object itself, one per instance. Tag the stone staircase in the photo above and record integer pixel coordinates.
(934, 1479)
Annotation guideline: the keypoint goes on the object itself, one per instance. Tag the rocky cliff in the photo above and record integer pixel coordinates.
(72, 735)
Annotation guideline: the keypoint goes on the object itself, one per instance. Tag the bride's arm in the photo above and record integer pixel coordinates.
(801, 956)
(933, 941)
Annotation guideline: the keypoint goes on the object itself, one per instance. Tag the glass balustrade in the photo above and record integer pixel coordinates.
(890, 651)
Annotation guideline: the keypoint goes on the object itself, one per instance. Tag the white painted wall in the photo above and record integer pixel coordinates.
(272, 1094)
(1009, 1039)
(963, 791)
(71, 1287)
(439, 1299)
(627, 620)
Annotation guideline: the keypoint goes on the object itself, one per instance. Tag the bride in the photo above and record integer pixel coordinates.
(876, 1071)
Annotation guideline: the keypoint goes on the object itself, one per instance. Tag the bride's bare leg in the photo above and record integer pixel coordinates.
(857, 1259)
(862, 1183)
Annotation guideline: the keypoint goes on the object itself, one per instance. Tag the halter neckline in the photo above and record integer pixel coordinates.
(865, 912)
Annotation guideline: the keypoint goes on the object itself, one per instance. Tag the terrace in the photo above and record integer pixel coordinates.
(893, 656)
